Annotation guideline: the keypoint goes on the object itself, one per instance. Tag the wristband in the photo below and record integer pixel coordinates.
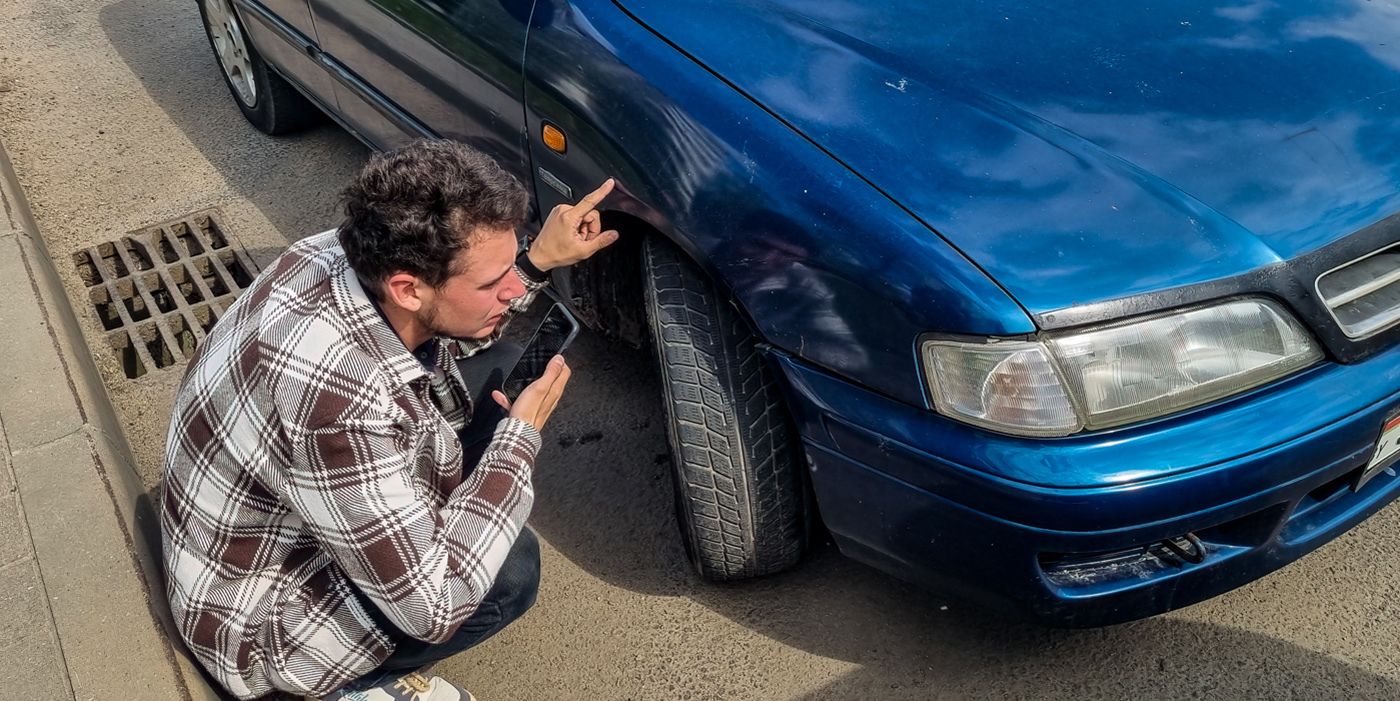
(528, 268)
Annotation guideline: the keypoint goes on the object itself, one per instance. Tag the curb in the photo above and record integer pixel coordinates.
(94, 530)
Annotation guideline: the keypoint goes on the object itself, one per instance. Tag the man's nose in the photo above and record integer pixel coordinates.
(513, 288)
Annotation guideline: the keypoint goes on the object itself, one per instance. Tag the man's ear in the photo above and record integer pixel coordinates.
(406, 291)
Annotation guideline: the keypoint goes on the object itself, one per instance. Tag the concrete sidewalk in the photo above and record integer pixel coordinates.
(80, 589)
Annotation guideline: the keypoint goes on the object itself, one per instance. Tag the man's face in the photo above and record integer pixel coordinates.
(472, 302)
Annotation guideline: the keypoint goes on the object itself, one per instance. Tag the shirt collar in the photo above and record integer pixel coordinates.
(369, 325)
(426, 352)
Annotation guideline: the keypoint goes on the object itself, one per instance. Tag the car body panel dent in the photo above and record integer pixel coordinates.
(826, 267)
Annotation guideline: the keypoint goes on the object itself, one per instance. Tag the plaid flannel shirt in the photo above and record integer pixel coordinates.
(311, 456)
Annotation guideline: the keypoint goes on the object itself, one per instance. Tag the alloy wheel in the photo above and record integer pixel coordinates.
(232, 49)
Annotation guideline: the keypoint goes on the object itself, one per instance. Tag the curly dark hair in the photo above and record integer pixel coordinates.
(413, 208)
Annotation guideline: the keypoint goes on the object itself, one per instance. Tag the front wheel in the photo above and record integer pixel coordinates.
(740, 495)
(265, 98)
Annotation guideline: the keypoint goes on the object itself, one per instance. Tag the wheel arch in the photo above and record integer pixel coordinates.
(605, 291)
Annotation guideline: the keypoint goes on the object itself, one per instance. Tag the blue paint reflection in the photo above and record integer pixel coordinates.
(1088, 151)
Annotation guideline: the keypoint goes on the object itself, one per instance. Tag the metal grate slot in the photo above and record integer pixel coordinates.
(159, 291)
(203, 318)
(184, 282)
(156, 285)
(1364, 295)
(136, 253)
(87, 270)
(106, 313)
(167, 250)
(212, 234)
(136, 307)
(185, 237)
(184, 335)
(127, 354)
(235, 269)
(213, 281)
(111, 259)
(159, 350)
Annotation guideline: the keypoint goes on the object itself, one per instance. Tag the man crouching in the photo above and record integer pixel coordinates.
(322, 534)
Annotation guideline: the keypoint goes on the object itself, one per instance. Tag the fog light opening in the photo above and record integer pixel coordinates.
(1192, 551)
(1081, 570)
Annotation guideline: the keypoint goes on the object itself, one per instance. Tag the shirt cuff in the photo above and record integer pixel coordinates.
(528, 272)
(519, 432)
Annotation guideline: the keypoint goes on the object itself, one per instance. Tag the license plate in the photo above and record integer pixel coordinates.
(1387, 450)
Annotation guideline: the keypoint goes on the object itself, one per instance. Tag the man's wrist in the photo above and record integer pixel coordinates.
(531, 269)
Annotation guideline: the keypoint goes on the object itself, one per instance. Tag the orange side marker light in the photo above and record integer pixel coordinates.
(554, 139)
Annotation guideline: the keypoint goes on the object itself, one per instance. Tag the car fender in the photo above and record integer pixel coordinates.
(825, 266)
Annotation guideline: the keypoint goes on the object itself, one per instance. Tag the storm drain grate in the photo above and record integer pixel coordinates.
(158, 291)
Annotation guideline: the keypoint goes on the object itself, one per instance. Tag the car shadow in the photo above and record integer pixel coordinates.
(293, 180)
(911, 644)
(604, 501)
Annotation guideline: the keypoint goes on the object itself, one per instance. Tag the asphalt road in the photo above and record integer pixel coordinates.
(116, 118)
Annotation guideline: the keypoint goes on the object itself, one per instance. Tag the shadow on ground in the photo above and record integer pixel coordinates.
(605, 502)
(292, 180)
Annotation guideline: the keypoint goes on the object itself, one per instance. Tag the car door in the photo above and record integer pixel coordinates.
(430, 68)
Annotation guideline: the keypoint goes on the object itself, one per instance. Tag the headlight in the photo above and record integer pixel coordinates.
(1117, 374)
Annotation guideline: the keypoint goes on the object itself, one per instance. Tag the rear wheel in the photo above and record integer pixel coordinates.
(740, 495)
(264, 97)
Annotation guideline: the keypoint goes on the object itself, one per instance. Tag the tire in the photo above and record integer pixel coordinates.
(266, 99)
(741, 498)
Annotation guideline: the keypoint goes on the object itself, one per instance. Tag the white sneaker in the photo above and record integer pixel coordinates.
(409, 687)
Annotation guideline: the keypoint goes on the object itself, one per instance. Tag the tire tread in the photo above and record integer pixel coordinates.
(737, 475)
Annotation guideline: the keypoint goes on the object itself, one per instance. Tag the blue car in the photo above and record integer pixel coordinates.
(1082, 311)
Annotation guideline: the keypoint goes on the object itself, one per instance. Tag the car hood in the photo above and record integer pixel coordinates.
(1081, 152)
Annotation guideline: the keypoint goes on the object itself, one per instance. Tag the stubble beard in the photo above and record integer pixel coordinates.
(429, 319)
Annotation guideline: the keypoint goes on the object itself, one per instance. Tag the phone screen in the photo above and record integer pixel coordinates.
(551, 338)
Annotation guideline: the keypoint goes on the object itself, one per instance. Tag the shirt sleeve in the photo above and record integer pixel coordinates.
(426, 569)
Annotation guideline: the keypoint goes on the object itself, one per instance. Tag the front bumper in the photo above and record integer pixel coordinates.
(1068, 531)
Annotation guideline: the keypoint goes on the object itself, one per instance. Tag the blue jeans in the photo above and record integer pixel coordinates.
(512, 594)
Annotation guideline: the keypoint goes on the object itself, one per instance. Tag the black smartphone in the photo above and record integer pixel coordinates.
(553, 335)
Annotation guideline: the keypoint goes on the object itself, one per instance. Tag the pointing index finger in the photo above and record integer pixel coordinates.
(592, 199)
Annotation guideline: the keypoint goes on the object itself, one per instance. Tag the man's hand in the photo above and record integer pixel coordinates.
(537, 401)
(572, 233)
